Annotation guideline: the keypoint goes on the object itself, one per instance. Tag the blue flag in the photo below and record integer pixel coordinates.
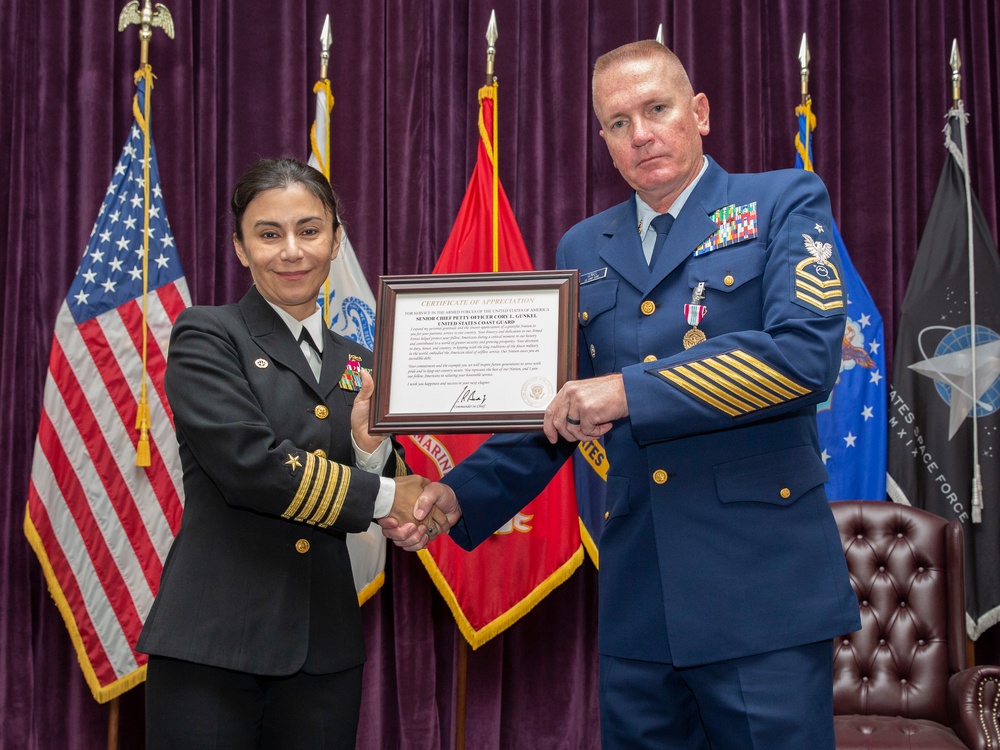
(852, 422)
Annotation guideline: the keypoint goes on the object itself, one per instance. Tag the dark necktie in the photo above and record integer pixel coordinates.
(660, 225)
(304, 336)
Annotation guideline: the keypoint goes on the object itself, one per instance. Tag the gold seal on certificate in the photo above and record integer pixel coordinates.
(479, 352)
(537, 392)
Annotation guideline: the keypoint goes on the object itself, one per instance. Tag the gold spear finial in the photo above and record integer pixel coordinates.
(491, 50)
(956, 78)
(147, 19)
(325, 39)
(804, 67)
(659, 34)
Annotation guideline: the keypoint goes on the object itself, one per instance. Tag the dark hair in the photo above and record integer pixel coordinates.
(268, 174)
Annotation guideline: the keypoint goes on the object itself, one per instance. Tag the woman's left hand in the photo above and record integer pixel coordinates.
(359, 416)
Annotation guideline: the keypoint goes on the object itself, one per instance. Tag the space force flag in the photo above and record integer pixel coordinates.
(944, 404)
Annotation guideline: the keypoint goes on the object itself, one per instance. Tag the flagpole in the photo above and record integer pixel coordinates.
(146, 20)
(958, 107)
(805, 104)
(491, 82)
(325, 40)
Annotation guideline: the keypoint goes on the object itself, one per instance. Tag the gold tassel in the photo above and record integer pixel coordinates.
(142, 425)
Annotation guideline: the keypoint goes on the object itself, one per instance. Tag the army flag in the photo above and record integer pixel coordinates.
(348, 309)
(493, 586)
(944, 403)
(852, 421)
(100, 523)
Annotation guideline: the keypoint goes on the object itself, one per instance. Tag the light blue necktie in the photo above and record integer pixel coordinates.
(661, 225)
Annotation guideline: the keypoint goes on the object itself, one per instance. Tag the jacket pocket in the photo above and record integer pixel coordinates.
(727, 269)
(779, 478)
(616, 504)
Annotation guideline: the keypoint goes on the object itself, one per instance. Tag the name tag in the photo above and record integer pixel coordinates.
(593, 275)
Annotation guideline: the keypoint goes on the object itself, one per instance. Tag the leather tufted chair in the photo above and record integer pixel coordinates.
(901, 681)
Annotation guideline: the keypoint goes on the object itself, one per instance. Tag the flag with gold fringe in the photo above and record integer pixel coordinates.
(105, 497)
(348, 309)
(492, 587)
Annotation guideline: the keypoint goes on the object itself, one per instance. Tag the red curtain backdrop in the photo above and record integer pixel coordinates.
(236, 83)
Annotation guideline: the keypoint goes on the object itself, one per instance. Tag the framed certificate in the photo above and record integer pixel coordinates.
(472, 352)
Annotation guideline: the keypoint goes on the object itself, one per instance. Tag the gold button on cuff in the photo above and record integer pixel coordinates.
(584, 316)
(302, 546)
(319, 452)
(649, 358)
(729, 280)
(660, 476)
(648, 307)
(785, 493)
(607, 515)
(593, 351)
(321, 412)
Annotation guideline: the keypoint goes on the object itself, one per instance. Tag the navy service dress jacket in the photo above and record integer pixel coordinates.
(258, 578)
(718, 540)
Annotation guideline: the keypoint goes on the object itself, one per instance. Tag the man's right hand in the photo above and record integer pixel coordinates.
(436, 510)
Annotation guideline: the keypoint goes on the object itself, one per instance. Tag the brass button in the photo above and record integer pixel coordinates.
(319, 452)
(785, 493)
(649, 358)
(302, 546)
(607, 515)
(659, 476)
(648, 307)
(321, 411)
(729, 280)
(584, 316)
(593, 351)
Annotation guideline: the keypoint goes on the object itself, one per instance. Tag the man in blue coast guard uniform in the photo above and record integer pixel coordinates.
(711, 319)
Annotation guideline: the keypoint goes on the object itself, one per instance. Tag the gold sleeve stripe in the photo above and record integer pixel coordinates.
(735, 383)
(698, 393)
(785, 395)
(324, 502)
(727, 383)
(735, 377)
(720, 394)
(322, 466)
(771, 372)
(401, 469)
(304, 483)
(808, 288)
(339, 497)
(820, 305)
(801, 272)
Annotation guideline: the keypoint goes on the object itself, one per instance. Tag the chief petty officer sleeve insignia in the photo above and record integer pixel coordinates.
(817, 281)
(736, 383)
(319, 496)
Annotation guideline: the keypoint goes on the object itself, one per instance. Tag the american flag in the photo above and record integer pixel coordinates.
(100, 525)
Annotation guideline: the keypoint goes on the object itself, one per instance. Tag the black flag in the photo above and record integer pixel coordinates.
(945, 396)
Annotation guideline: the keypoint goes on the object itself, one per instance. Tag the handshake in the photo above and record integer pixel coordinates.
(421, 510)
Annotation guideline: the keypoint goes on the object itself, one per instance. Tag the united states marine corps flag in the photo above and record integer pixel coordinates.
(944, 404)
(492, 587)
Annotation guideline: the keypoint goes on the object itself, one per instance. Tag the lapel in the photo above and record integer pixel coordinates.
(271, 334)
(334, 363)
(623, 250)
(694, 224)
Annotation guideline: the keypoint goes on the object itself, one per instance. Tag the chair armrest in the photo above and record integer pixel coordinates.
(974, 706)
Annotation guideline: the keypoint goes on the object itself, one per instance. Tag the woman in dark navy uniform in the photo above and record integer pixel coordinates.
(255, 637)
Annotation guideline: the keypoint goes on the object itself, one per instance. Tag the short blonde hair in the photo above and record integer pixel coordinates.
(645, 49)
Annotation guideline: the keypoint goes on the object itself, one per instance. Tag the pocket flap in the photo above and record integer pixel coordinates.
(780, 477)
